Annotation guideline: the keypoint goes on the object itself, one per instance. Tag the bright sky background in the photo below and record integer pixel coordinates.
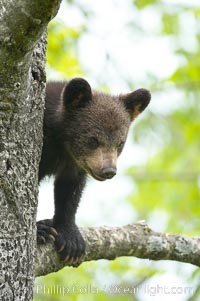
(135, 57)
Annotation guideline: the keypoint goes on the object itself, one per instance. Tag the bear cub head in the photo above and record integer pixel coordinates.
(95, 125)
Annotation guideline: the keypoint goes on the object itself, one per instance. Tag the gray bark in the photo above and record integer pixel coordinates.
(131, 240)
(22, 83)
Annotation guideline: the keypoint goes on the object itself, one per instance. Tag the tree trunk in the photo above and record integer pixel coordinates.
(22, 83)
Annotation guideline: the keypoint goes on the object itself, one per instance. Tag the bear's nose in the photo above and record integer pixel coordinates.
(108, 172)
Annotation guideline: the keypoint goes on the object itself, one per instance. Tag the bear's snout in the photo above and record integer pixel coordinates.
(108, 172)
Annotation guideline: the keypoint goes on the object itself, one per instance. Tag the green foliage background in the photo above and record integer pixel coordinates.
(167, 186)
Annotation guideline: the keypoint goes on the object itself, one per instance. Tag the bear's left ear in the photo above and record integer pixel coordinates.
(135, 102)
(77, 93)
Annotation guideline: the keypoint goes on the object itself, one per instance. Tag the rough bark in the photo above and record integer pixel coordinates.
(131, 240)
(22, 83)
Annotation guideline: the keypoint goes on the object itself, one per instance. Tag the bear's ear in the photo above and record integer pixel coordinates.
(77, 93)
(135, 102)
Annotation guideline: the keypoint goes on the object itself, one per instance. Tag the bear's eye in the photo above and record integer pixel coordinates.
(120, 145)
(93, 143)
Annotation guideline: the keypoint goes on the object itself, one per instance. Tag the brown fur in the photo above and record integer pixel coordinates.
(84, 133)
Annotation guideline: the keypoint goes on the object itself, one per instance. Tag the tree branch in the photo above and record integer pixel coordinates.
(131, 240)
(160, 176)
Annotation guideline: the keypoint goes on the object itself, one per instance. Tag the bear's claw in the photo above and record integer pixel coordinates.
(45, 232)
(70, 244)
(67, 240)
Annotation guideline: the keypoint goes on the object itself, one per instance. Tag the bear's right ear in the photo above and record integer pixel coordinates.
(77, 93)
(135, 102)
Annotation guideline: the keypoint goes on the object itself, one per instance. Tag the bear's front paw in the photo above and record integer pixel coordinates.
(70, 244)
(45, 231)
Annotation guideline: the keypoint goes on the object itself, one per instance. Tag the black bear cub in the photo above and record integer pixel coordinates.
(84, 133)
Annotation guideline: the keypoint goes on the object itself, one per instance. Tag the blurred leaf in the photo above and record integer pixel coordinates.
(143, 3)
(170, 24)
(62, 53)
